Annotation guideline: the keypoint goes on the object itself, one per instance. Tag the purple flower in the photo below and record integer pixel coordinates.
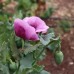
(29, 27)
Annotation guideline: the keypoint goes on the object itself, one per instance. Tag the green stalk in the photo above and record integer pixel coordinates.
(22, 43)
(39, 56)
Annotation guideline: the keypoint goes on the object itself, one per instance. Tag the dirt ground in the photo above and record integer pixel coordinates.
(64, 8)
(67, 67)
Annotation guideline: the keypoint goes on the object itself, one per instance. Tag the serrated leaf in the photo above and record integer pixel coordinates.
(13, 47)
(45, 39)
(3, 37)
(4, 51)
(30, 48)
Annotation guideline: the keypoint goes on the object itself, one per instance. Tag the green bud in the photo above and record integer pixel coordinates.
(13, 66)
(59, 57)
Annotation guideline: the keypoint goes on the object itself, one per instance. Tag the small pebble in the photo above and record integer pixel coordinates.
(72, 48)
(71, 63)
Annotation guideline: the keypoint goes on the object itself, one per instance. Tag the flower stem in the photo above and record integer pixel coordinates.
(22, 43)
(39, 55)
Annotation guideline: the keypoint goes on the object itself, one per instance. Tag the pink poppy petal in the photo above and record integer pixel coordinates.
(26, 19)
(18, 28)
(30, 33)
(24, 30)
(37, 23)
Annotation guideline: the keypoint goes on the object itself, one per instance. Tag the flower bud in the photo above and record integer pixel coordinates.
(58, 57)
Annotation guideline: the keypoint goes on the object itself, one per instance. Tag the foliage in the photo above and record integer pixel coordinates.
(65, 25)
(27, 7)
(23, 59)
(18, 56)
(47, 13)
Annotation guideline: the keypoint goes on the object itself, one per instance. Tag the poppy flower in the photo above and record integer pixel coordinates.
(29, 27)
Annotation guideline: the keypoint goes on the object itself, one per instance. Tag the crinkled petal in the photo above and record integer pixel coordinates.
(18, 28)
(24, 30)
(37, 23)
(30, 33)
(26, 19)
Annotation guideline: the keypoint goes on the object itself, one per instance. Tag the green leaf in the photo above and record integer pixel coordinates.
(26, 4)
(24, 71)
(3, 37)
(18, 15)
(42, 56)
(30, 48)
(65, 25)
(4, 51)
(46, 14)
(45, 39)
(18, 42)
(54, 44)
(4, 69)
(38, 68)
(44, 72)
(14, 50)
(26, 62)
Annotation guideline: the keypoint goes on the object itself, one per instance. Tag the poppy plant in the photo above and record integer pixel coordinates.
(29, 27)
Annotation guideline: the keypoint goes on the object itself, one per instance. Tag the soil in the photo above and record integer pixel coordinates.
(64, 8)
(67, 66)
